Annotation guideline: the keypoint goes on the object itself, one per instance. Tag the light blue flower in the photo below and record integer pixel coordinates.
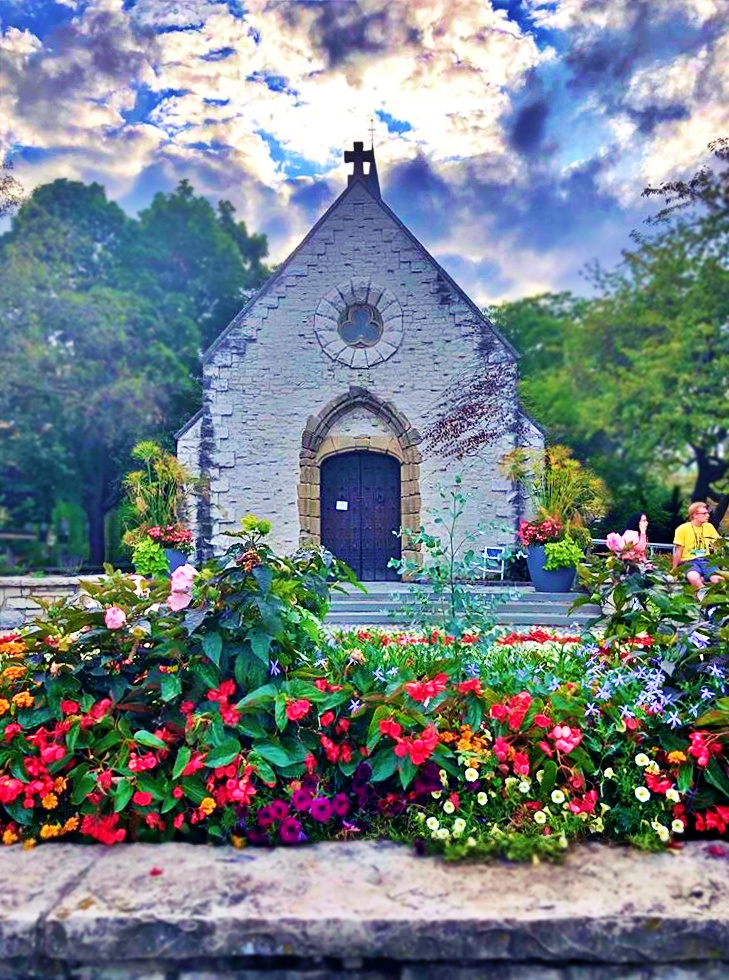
(591, 710)
(673, 719)
(716, 671)
(354, 705)
(473, 670)
(604, 693)
(625, 712)
(706, 693)
(699, 640)
(274, 668)
(321, 662)
(379, 675)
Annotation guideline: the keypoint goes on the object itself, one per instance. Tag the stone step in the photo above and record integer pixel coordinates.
(512, 619)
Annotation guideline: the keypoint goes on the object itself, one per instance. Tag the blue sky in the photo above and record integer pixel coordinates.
(513, 136)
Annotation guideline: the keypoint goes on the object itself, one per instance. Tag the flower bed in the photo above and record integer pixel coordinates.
(216, 708)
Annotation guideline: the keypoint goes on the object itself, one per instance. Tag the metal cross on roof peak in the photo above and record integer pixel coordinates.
(359, 156)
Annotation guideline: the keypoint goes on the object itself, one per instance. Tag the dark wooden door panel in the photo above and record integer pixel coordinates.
(360, 529)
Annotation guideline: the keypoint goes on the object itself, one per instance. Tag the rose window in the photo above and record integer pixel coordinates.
(360, 326)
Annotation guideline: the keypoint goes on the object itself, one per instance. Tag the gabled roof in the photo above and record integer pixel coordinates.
(189, 424)
(355, 182)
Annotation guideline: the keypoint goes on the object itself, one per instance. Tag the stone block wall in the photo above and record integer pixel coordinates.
(281, 364)
(19, 596)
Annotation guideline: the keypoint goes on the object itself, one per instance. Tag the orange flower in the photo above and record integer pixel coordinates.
(70, 825)
(50, 830)
(24, 699)
(59, 784)
(207, 805)
(4, 707)
(676, 757)
(49, 801)
(14, 672)
(10, 837)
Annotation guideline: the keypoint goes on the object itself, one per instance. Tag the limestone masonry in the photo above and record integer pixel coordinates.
(291, 383)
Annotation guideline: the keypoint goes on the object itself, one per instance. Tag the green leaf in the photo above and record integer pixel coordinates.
(85, 785)
(260, 644)
(194, 789)
(183, 757)
(170, 686)
(264, 770)
(383, 764)
(151, 741)
(550, 776)
(148, 784)
(407, 772)
(262, 695)
(276, 754)
(685, 777)
(223, 754)
(122, 793)
(717, 777)
(264, 576)
(72, 737)
(212, 644)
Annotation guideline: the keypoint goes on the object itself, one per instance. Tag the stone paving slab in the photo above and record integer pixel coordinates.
(361, 902)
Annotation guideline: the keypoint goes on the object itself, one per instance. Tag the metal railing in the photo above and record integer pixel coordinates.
(652, 546)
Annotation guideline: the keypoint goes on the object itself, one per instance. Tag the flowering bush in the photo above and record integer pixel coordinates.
(541, 531)
(172, 536)
(229, 714)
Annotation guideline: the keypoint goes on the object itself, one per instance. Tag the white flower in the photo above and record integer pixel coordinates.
(443, 777)
(642, 759)
(436, 794)
(510, 781)
(540, 817)
(524, 786)
(432, 823)
(563, 842)
(540, 775)
(663, 832)
(471, 842)
(471, 774)
(419, 816)
(558, 796)
(597, 826)
(442, 833)
(459, 826)
(677, 826)
(448, 807)
(673, 795)
(609, 773)
(482, 799)
(642, 793)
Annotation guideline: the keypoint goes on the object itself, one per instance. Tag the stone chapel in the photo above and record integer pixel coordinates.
(317, 395)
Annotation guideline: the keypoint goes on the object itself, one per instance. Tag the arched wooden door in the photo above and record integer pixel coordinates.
(360, 509)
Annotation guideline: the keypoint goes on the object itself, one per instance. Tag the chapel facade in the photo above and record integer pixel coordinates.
(317, 396)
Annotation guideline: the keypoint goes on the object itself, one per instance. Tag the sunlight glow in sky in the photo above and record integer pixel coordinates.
(513, 136)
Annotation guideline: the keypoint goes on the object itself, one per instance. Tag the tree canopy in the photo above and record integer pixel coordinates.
(104, 316)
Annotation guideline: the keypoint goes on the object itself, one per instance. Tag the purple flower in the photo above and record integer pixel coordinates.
(473, 670)
(715, 670)
(699, 640)
(301, 799)
(591, 710)
(266, 817)
(291, 831)
(673, 719)
(379, 675)
(706, 693)
(340, 805)
(625, 712)
(321, 809)
(280, 809)
(274, 668)
(354, 705)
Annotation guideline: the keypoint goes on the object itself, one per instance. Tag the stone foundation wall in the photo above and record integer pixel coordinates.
(19, 595)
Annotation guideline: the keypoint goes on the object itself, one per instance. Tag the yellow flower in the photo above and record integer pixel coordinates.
(432, 823)
(13, 648)
(49, 801)
(50, 830)
(558, 796)
(70, 825)
(459, 825)
(24, 699)
(29, 844)
(676, 757)
(642, 759)
(59, 784)
(207, 805)
(482, 799)
(4, 706)
(13, 673)
(672, 795)
(10, 837)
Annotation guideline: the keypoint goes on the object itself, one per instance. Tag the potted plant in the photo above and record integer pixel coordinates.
(564, 496)
(157, 497)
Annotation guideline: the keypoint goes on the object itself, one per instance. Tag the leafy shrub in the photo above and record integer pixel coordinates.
(566, 553)
(149, 558)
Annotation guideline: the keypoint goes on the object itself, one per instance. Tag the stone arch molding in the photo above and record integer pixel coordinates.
(317, 445)
(333, 305)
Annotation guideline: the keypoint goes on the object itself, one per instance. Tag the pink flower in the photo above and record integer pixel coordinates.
(565, 738)
(178, 600)
(182, 578)
(114, 618)
(615, 542)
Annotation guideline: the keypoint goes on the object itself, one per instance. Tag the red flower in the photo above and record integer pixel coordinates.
(154, 872)
(472, 685)
(326, 719)
(141, 798)
(69, 707)
(296, 710)
(388, 726)
(542, 721)
(499, 711)
(521, 764)
(11, 730)
(425, 690)
(103, 780)
(310, 762)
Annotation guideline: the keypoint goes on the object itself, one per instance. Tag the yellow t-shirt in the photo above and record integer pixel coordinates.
(696, 542)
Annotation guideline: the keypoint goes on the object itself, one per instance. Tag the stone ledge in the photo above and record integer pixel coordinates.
(608, 912)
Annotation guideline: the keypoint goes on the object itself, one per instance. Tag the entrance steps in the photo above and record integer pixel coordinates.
(384, 602)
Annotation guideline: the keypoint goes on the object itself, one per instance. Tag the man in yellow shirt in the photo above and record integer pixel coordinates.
(692, 545)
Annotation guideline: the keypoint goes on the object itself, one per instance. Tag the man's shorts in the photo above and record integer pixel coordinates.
(700, 565)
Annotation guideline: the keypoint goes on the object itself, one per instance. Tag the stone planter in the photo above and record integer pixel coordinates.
(175, 557)
(558, 580)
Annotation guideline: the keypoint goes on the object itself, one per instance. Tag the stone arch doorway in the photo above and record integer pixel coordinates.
(318, 445)
(360, 512)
